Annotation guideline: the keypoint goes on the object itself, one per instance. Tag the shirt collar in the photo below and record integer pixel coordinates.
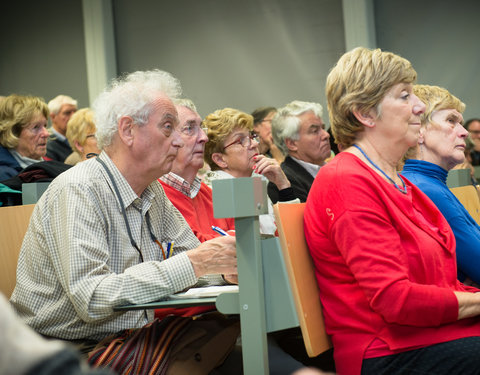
(23, 160)
(180, 184)
(425, 168)
(310, 168)
(59, 136)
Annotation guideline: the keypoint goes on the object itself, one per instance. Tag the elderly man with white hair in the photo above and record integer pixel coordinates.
(298, 130)
(94, 240)
(61, 108)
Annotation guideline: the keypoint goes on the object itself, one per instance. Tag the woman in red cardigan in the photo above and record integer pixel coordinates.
(384, 255)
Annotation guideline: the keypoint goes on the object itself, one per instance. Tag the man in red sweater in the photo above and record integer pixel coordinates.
(182, 186)
(188, 194)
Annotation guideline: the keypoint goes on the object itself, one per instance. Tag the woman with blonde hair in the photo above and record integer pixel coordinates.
(81, 136)
(232, 151)
(384, 255)
(441, 146)
(23, 133)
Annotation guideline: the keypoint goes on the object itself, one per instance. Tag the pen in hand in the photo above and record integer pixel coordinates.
(219, 231)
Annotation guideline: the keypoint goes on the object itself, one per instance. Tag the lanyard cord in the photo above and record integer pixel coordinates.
(132, 241)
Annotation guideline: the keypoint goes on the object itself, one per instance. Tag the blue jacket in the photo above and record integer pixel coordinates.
(9, 167)
(432, 180)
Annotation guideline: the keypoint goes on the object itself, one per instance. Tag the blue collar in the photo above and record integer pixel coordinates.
(425, 168)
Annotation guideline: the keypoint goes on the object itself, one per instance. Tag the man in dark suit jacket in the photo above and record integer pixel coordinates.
(298, 130)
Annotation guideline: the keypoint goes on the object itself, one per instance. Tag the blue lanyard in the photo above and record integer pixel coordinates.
(404, 190)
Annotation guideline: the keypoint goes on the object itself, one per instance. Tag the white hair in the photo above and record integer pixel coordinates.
(286, 124)
(184, 102)
(56, 103)
(131, 95)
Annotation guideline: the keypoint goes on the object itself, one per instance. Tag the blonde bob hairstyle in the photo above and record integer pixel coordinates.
(16, 112)
(220, 125)
(359, 82)
(79, 126)
(436, 98)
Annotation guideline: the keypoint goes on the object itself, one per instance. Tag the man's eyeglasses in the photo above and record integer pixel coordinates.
(192, 129)
(245, 141)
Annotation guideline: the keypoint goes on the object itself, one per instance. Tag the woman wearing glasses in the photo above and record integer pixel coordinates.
(232, 151)
(23, 133)
(81, 136)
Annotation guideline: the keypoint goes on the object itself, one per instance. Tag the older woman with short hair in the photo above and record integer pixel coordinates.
(23, 133)
(441, 147)
(81, 136)
(232, 151)
(384, 255)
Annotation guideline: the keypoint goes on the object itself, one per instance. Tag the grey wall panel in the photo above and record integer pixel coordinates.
(440, 38)
(240, 54)
(42, 49)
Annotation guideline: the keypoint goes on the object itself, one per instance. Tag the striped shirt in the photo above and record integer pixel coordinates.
(77, 263)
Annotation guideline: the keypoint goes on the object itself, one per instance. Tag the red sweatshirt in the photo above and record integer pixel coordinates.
(385, 264)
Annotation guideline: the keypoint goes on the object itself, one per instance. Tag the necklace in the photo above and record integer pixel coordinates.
(402, 190)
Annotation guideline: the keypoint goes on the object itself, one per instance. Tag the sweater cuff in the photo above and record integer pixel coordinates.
(286, 195)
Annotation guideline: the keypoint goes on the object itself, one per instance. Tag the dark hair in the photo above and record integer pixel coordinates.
(260, 113)
(468, 122)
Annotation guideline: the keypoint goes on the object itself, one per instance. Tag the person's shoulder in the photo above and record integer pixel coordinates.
(84, 175)
(342, 166)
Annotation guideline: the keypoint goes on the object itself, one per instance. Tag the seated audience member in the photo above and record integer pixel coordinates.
(384, 254)
(473, 127)
(61, 108)
(232, 151)
(23, 133)
(93, 240)
(182, 186)
(81, 136)
(299, 132)
(441, 146)
(194, 201)
(24, 352)
(262, 126)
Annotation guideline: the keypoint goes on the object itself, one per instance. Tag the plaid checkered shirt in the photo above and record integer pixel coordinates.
(77, 263)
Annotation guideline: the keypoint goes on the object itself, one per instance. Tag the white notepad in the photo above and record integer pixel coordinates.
(208, 291)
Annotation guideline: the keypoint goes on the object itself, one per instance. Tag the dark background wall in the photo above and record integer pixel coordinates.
(42, 49)
(241, 54)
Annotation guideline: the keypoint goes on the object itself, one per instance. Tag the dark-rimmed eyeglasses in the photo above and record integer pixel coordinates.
(245, 141)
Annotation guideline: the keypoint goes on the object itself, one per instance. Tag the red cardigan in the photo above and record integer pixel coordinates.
(198, 212)
(385, 264)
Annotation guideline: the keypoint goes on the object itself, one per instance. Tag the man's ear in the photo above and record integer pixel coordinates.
(126, 130)
(291, 144)
(218, 159)
(366, 118)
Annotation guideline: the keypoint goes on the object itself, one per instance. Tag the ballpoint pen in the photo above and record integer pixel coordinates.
(219, 231)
